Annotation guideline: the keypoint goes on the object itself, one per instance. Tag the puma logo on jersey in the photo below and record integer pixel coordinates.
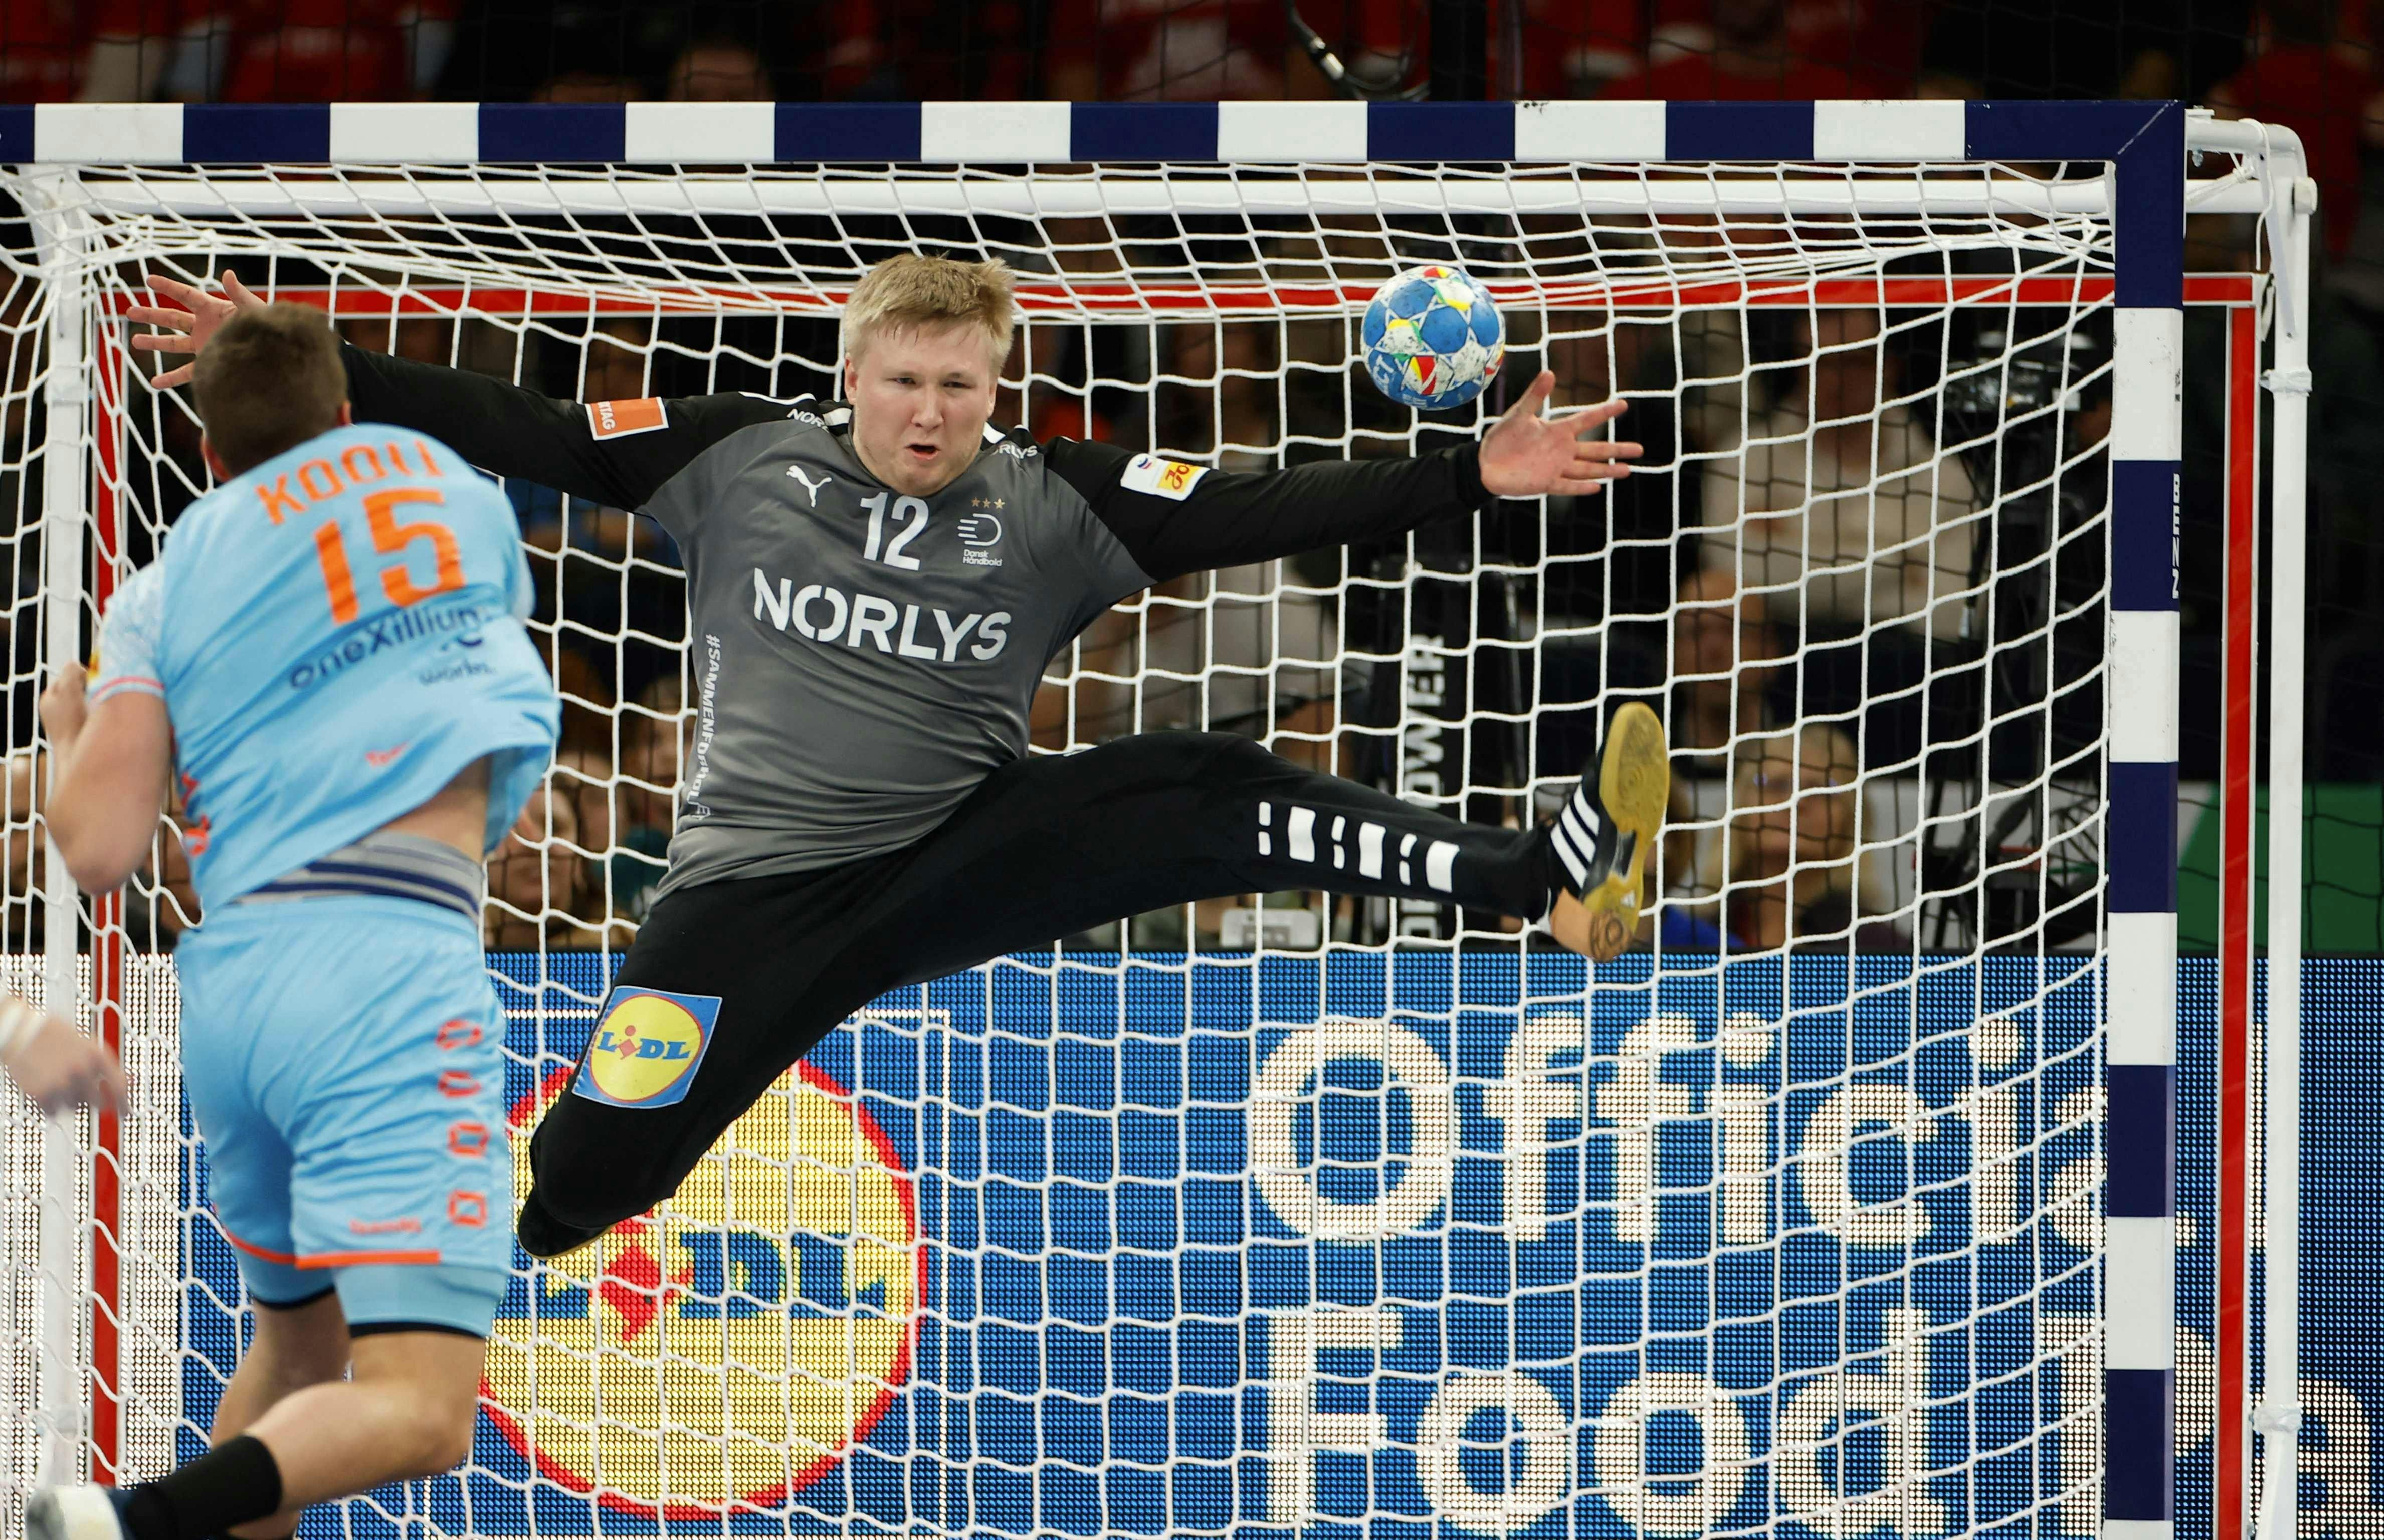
(809, 485)
(382, 759)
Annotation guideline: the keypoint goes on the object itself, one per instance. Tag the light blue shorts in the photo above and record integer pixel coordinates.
(344, 1056)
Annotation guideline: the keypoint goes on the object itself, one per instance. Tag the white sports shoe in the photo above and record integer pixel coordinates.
(75, 1513)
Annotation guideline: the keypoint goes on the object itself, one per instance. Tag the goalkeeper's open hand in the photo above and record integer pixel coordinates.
(188, 321)
(1526, 455)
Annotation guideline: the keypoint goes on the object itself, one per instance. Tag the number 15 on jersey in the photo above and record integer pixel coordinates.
(390, 538)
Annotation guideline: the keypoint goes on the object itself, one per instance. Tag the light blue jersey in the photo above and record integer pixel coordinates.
(336, 634)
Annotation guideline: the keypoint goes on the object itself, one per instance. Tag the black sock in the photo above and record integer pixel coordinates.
(235, 1483)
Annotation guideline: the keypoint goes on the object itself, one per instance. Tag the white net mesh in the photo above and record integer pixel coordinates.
(1278, 1212)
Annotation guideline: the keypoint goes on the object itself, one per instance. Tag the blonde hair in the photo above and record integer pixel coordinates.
(912, 292)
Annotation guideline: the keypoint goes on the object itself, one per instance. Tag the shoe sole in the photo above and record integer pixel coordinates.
(1635, 783)
(72, 1513)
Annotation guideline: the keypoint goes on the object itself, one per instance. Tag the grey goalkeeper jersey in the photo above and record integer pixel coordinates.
(861, 659)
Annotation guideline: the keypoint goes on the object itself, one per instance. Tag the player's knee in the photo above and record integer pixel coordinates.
(1210, 753)
(427, 1390)
(431, 1437)
(589, 1172)
(1243, 765)
(436, 1443)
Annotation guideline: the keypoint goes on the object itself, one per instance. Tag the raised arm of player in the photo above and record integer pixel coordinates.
(111, 746)
(613, 453)
(1225, 518)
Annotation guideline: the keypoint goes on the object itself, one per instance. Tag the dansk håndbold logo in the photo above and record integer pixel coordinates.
(646, 1048)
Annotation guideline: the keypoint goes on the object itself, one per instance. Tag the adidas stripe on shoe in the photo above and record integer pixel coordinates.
(1604, 833)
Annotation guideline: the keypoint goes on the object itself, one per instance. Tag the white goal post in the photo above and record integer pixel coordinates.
(1293, 1216)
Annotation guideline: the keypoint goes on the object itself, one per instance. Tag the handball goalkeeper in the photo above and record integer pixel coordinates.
(875, 586)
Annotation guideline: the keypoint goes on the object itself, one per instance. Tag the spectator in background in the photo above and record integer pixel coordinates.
(1751, 60)
(420, 339)
(2298, 76)
(718, 69)
(1580, 47)
(626, 795)
(1724, 656)
(1216, 393)
(42, 50)
(267, 50)
(589, 86)
(159, 902)
(1786, 872)
(539, 880)
(1838, 497)
(1175, 51)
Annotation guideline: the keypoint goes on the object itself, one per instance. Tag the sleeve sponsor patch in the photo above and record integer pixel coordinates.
(619, 419)
(1168, 479)
(127, 660)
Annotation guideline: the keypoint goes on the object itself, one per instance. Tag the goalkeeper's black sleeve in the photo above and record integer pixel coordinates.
(1174, 519)
(613, 453)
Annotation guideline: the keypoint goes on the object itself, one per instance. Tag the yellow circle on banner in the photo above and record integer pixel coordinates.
(732, 1345)
(644, 1047)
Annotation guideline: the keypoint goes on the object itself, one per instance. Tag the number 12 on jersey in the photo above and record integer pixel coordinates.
(905, 508)
(391, 539)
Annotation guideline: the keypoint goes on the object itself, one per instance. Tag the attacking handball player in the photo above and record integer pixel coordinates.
(329, 653)
(875, 587)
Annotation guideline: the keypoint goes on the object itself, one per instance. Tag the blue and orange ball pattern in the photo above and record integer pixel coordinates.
(1432, 338)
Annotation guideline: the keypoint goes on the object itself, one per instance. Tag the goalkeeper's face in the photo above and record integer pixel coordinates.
(920, 401)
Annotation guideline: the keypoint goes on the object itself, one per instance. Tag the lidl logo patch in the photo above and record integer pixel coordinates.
(727, 1349)
(647, 1044)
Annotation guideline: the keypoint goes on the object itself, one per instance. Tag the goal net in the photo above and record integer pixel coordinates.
(1842, 1204)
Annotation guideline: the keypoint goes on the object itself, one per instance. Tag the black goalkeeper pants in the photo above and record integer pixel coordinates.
(1046, 847)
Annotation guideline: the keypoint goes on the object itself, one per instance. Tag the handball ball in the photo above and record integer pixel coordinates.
(1432, 338)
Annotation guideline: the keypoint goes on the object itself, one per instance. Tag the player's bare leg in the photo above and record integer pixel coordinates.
(303, 1346)
(295, 1348)
(407, 1414)
(1605, 833)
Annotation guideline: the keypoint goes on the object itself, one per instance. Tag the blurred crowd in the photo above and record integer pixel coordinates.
(1793, 575)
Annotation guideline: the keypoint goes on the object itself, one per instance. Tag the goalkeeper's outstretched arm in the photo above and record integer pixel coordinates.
(1174, 519)
(616, 454)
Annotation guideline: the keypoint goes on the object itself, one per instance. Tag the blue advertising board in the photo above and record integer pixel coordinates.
(1432, 1243)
